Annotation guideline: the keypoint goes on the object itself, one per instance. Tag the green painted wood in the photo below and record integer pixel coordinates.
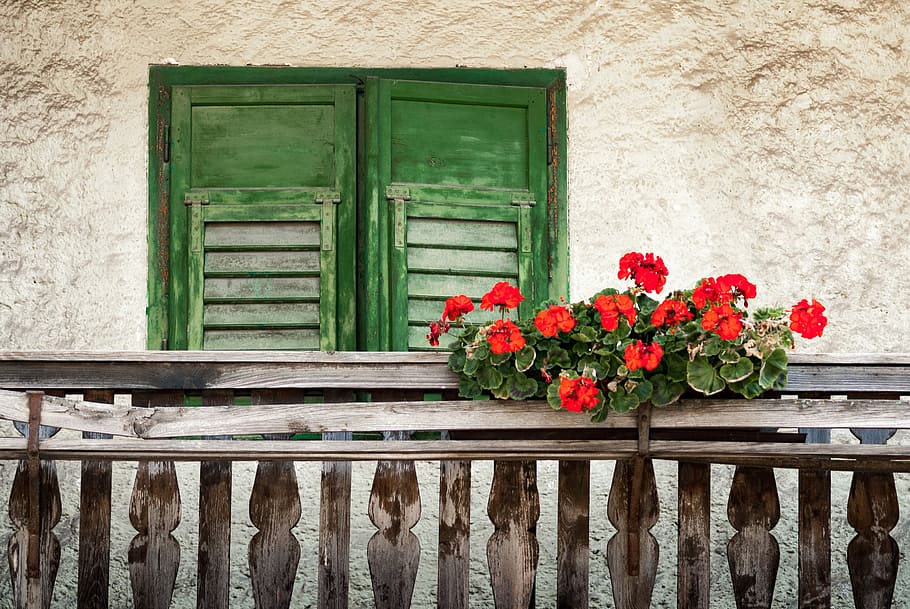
(433, 286)
(462, 234)
(422, 312)
(462, 262)
(261, 288)
(178, 246)
(267, 234)
(259, 262)
(159, 175)
(195, 278)
(261, 314)
(345, 279)
(275, 339)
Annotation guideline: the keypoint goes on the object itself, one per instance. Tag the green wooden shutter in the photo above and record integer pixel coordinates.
(263, 250)
(461, 177)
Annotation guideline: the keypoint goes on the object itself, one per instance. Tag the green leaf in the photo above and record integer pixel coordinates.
(457, 360)
(558, 357)
(624, 329)
(713, 346)
(489, 377)
(643, 390)
(482, 351)
(665, 390)
(470, 366)
(703, 377)
(469, 387)
(738, 371)
(521, 387)
(600, 413)
(677, 366)
(553, 396)
(502, 392)
(729, 356)
(621, 401)
(499, 358)
(772, 368)
(587, 334)
(525, 358)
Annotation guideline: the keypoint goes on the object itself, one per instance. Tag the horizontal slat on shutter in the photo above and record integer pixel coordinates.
(420, 311)
(261, 314)
(421, 285)
(259, 262)
(264, 235)
(261, 288)
(462, 262)
(462, 234)
(277, 339)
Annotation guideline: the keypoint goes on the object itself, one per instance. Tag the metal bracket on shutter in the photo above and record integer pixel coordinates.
(195, 201)
(398, 195)
(524, 201)
(328, 199)
(196, 198)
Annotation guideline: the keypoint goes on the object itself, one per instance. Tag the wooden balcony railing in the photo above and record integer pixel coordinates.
(382, 397)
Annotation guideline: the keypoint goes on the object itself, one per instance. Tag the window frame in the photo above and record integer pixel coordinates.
(372, 331)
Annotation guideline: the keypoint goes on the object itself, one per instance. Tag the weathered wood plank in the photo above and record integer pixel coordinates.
(274, 551)
(95, 523)
(694, 536)
(335, 524)
(214, 555)
(873, 554)
(572, 534)
(513, 551)
(154, 553)
(453, 581)
(437, 416)
(753, 553)
(814, 539)
(633, 508)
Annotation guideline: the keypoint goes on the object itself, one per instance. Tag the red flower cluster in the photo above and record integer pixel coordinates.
(724, 320)
(504, 337)
(553, 320)
(456, 307)
(639, 355)
(722, 290)
(578, 394)
(611, 307)
(437, 329)
(646, 270)
(503, 295)
(670, 313)
(808, 319)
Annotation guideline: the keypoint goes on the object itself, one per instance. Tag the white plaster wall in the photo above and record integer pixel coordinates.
(768, 137)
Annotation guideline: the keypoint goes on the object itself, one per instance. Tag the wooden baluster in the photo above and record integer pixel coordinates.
(633, 507)
(95, 523)
(335, 522)
(393, 552)
(815, 530)
(214, 555)
(274, 552)
(154, 554)
(572, 534)
(512, 551)
(454, 534)
(694, 540)
(753, 553)
(873, 510)
(34, 589)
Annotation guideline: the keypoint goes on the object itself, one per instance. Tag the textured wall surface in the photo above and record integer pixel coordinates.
(767, 137)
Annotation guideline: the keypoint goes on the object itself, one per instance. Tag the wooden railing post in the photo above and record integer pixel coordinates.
(694, 537)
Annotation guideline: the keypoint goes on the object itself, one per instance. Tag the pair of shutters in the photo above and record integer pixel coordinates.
(266, 252)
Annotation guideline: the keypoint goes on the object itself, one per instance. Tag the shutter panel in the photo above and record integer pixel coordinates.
(267, 175)
(462, 168)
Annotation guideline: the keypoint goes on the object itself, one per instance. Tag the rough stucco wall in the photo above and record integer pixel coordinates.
(762, 137)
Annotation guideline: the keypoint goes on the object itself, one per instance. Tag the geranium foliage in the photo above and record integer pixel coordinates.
(620, 349)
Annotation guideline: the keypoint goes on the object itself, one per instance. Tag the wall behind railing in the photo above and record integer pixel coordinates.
(767, 138)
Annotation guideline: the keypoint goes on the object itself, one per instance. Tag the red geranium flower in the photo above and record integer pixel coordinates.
(670, 313)
(611, 307)
(456, 307)
(437, 329)
(553, 320)
(639, 355)
(503, 295)
(738, 286)
(711, 291)
(578, 394)
(807, 319)
(723, 320)
(504, 337)
(646, 270)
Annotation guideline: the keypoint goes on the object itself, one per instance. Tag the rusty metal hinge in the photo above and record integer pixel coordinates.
(196, 198)
(328, 196)
(167, 143)
(523, 199)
